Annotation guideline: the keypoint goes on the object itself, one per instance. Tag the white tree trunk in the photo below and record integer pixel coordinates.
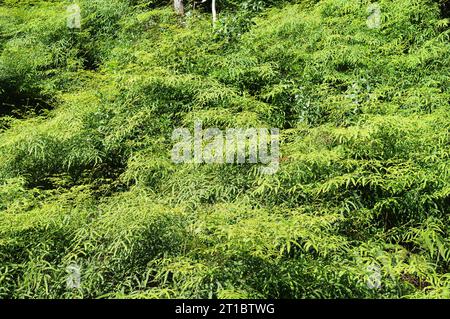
(214, 11)
(178, 6)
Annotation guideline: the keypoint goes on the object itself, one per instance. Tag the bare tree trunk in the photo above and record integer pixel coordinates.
(179, 7)
(214, 11)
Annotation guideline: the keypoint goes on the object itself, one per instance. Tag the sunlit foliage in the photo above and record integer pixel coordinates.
(86, 118)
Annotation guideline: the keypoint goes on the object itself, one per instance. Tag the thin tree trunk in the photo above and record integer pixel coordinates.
(214, 11)
(179, 7)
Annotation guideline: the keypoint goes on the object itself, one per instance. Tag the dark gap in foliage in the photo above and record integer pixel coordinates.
(149, 4)
(90, 62)
(445, 9)
(103, 180)
(106, 179)
(24, 105)
(202, 6)
(343, 67)
(86, 52)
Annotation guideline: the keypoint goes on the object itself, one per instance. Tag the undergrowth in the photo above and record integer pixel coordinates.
(86, 176)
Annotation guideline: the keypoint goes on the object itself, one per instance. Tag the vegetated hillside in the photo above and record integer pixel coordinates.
(359, 207)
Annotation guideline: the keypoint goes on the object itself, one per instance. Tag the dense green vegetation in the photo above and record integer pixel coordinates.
(86, 176)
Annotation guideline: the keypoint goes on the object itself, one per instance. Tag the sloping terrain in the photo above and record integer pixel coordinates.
(358, 209)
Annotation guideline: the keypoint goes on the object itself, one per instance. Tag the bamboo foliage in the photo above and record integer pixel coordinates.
(86, 176)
